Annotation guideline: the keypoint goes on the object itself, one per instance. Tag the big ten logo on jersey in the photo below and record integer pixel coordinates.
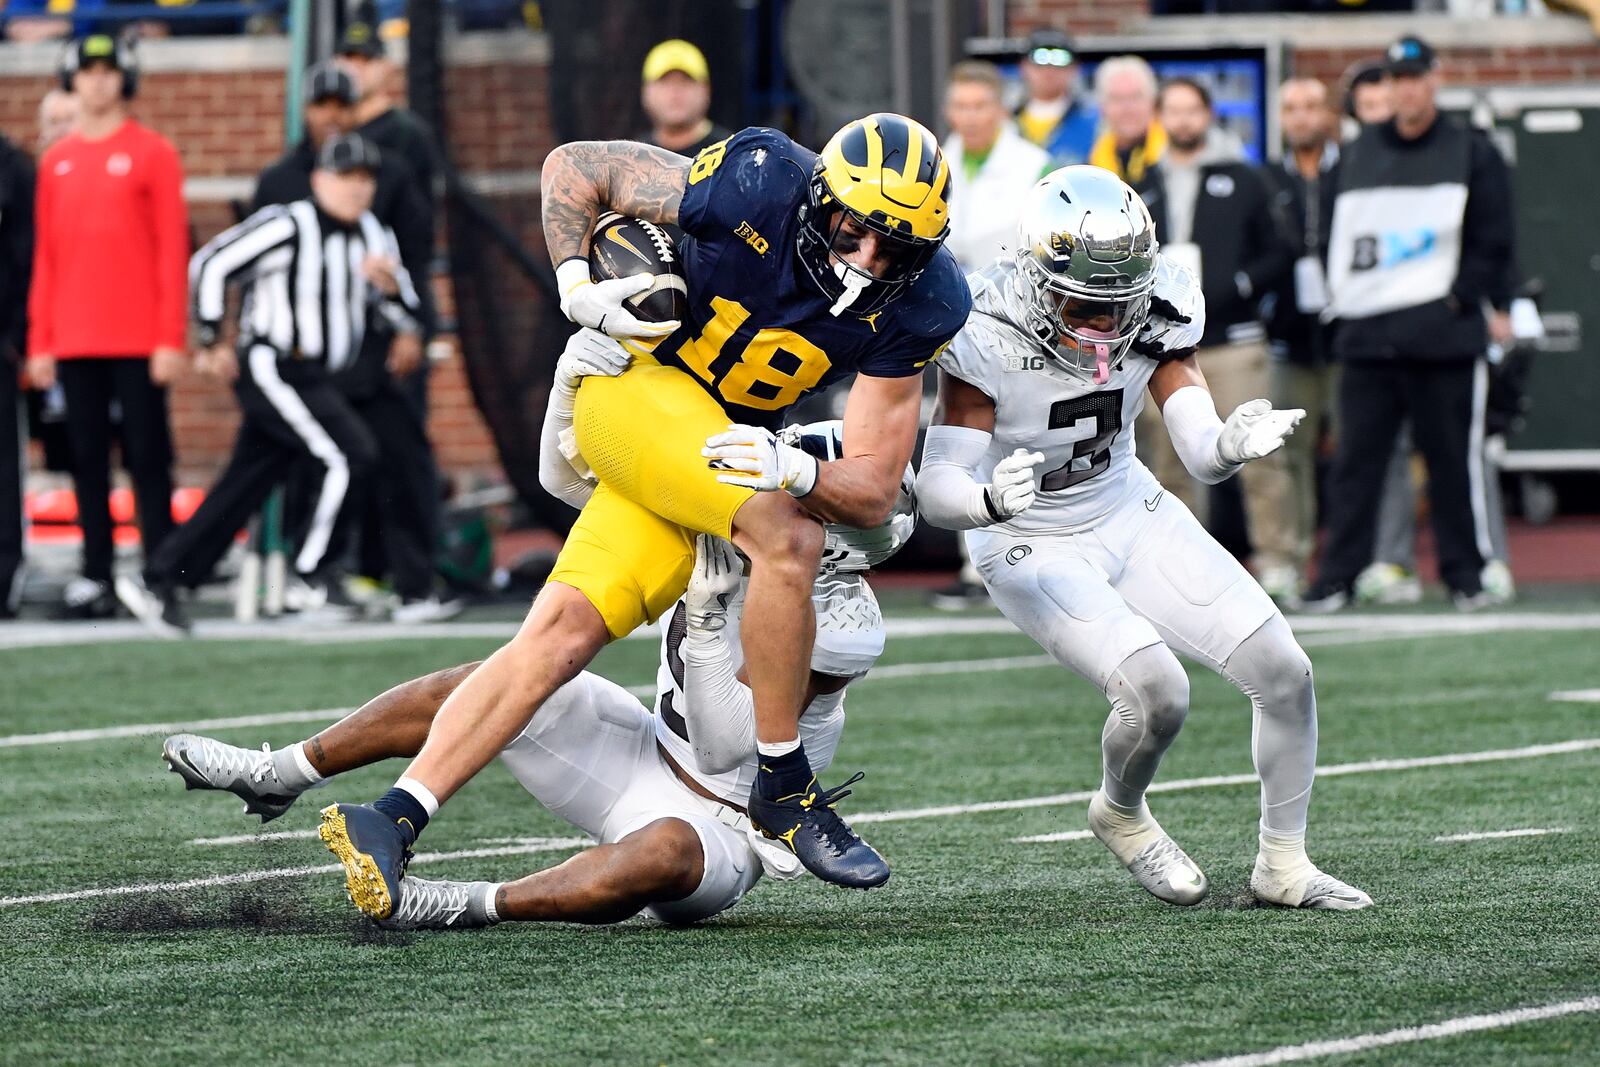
(1391, 249)
(1031, 361)
(776, 367)
(748, 234)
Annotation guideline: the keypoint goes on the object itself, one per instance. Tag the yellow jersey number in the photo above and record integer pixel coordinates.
(707, 161)
(781, 362)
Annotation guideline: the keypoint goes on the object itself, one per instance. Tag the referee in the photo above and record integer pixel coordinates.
(315, 273)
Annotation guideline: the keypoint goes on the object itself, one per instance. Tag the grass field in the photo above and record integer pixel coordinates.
(980, 949)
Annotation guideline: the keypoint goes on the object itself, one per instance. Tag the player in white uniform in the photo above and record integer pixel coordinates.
(1033, 455)
(660, 793)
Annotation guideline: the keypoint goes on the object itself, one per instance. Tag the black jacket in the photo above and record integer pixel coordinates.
(399, 204)
(1451, 328)
(16, 247)
(1238, 231)
(1298, 337)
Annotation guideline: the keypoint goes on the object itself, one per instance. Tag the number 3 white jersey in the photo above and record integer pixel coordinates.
(1084, 430)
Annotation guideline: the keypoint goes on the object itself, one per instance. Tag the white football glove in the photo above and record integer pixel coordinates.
(590, 354)
(1011, 490)
(600, 304)
(760, 461)
(1256, 429)
(712, 584)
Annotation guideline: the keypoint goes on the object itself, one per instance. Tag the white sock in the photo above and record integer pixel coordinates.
(293, 770)
(303, 762)
(1283, 850)
(421, 794)
(490, 895)
(777, 748)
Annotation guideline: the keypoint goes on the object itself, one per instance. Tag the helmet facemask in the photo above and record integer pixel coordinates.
(824, 240)
(1088, 328)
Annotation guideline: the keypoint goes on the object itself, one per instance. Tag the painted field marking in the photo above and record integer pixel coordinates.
(1465, 1024)
(1491, 835)
(1577, 696)
(248, 839)
(1044, 839)
(549, 844)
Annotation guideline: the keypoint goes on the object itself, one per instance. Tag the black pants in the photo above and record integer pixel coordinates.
(90, 385)
(403, 513)
(290, 411)
(1443, 401)
(11, 459)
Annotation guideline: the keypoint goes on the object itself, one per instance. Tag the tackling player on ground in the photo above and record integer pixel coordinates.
(662, 794)
(1033, 454)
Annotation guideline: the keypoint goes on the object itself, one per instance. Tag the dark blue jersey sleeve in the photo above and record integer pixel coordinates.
(743, 179)
(924, 321)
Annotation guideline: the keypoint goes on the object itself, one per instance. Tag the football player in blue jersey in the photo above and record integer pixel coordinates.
(802, 269)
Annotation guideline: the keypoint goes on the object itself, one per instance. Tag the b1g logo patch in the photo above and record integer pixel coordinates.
(1029, 362)
(1371, 251)
(748, 234)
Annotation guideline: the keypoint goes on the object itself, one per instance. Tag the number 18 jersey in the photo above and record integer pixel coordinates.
(1084, 430)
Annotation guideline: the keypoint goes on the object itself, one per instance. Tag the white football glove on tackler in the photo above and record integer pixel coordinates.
(599, 305)
(758, 460)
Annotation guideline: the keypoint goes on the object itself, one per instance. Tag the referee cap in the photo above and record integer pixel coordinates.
(348, 152)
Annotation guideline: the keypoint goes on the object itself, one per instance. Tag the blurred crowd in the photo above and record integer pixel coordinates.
(1391, 350)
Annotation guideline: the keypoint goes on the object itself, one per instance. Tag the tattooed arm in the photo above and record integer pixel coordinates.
(582, 179)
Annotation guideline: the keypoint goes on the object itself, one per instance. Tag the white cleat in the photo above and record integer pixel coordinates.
(206, 763)
(426, 905)
(1305, 887)
(1154, 859)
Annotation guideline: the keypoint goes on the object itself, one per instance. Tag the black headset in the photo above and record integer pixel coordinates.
(127, 62)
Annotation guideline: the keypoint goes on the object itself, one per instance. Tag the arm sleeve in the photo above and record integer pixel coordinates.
(40, 335)
(1192, 423)
(171, 227)
(225, 256)
(557, 474)
(947, 493)
(719, 710)
(1487, 230)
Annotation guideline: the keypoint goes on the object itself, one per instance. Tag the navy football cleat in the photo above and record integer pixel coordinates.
(374, 852)
(814, 832)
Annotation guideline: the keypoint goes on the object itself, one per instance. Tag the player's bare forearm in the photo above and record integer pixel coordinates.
(962, 404)
(584, 178)
(1174, 375)
(880, 433)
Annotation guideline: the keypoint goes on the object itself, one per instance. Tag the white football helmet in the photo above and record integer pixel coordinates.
(849, 548)
(1086, 263)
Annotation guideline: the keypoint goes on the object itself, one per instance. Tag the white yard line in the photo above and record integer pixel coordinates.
(1057, 799)
(1491, 835)
(1045, 839)
(1577, 696)
(1466, 1024)
(1358, 626)
(552, 844)
(250, 839)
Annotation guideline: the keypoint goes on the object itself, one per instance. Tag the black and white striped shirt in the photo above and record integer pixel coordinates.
(304, 291)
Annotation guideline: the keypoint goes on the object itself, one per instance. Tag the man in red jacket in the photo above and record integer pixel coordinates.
(108, 308)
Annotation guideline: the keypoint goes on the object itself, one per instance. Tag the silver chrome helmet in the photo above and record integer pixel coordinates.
(1086, 266)
(850, 548)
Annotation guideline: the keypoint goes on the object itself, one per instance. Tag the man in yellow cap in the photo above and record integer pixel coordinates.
(676, 97)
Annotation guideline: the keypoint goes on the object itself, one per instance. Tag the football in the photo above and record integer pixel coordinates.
(623, 247)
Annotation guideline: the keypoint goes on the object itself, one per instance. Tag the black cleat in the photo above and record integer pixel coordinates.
(374, 852)
(814, 832)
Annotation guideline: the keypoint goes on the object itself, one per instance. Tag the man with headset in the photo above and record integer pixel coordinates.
(107, 311)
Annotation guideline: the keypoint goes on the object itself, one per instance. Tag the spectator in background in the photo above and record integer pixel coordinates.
(991, 165)
(107, 309)
(1369, 93)
(991, 168)
(58, 114)
(1303, 372)
(1054, 116)
(1214, 213)
(1133, 141)
(1422, 235)
(16, 265)
(677, 99)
